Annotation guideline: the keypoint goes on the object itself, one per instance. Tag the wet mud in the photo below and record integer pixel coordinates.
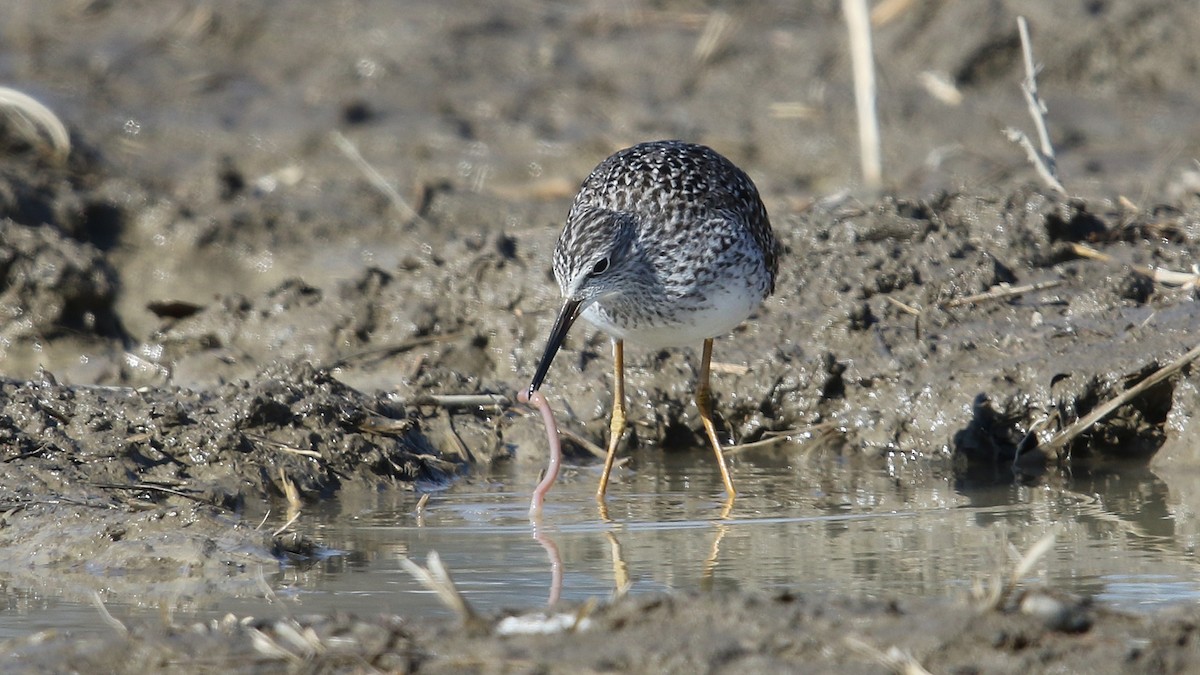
(213, 312)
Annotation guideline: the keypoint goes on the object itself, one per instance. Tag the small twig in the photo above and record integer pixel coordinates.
(1036, 104)
(999, 292)
(375, 178)
(858, 23)
(1042, 159)
(1059, 442)
(811, 433)
(584, 443)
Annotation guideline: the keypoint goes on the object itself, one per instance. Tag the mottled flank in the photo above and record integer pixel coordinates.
(667, 243)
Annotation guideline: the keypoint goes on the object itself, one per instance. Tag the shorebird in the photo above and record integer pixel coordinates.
(667, 244)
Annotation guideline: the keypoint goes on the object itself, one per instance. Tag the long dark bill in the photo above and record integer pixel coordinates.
(566, 317)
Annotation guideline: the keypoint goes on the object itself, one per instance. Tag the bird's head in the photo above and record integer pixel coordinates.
(594, 259)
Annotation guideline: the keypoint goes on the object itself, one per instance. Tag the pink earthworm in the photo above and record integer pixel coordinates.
(539, 401)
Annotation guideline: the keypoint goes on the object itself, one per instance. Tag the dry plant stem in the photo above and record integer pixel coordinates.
(889, 10)
(1036, 104)
(764, 443)
(32, 115)
(108, 618)
(894, 659)
(714, 36)
(906, 308)
(539, 493)
(1059, 443)
(461, 401)
(1002, 589)
(858, 23)
(435, 577)
(1001, 291)
(1042, 159)
(1158, 274)
(380, 353)
(584, 443)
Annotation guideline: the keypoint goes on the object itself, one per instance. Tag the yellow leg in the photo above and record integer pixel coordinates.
(704, 403)
(617, 426)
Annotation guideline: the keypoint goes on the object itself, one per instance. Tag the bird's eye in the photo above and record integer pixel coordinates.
(599, 268)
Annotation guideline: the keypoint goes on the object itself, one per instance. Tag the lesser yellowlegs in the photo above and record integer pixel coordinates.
(666, 244)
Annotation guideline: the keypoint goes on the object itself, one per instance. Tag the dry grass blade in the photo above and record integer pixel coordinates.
(30, 119)
(435, 577)
(894, 659)
(1059, 443)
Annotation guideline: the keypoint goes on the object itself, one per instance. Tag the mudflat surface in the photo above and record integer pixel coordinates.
(213, 303)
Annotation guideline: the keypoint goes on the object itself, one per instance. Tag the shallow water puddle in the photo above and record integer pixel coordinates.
(816, 526)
